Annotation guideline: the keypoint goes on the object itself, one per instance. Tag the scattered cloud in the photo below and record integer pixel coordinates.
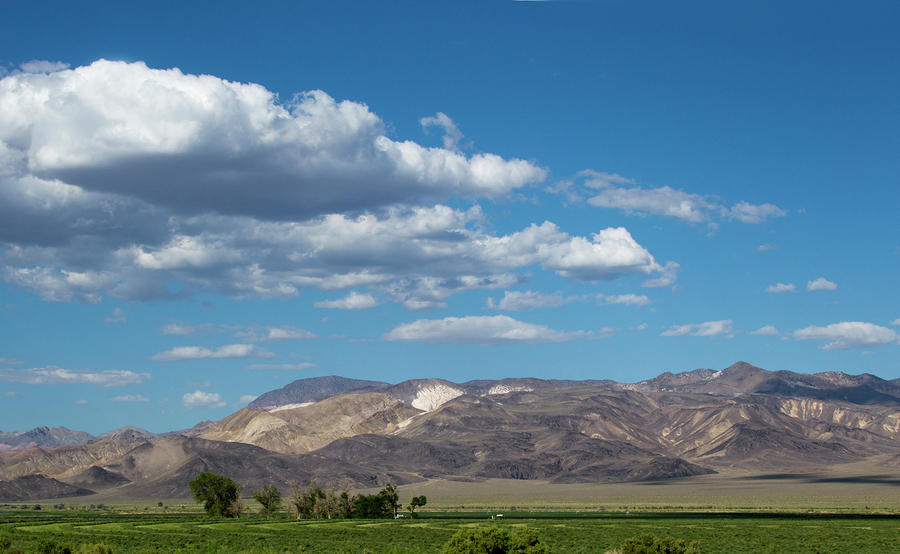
(780, 288)
(705, 329)
(755, 213)
(641, 327)
(201, 399)
(848, 334)
(274, 333)
(203, 353)
(482, 330)
(767, 248)
(353, 301)
(304, 365)
(667, 277)
(11, 394)
(247, 398)
(820, 284)
(514, 301)
(59, 376)
(11, 361)
(610, 190)
(130, 398)
(452, 134)
(82, 402)
(638, 300)
(42, 66)
(766, 330)
(896, 322)
(116, 316)
(187, 330)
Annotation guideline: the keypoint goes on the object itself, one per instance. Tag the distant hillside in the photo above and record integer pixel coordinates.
(44, 437)
(311, 390)
(367, 433)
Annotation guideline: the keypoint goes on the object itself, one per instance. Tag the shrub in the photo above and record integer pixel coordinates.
(651, 544)
(47, 546)
(98, 548)
(5, 543)
(495, 540)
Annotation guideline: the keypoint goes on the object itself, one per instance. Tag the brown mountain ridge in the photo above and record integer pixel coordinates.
(366, 433)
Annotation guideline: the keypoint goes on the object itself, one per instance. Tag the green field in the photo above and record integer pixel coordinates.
(563, 532)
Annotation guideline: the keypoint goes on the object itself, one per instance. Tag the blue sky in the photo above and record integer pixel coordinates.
(200, 203)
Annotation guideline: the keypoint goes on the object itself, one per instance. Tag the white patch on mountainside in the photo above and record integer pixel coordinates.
(289, 407)
(503, 389)
(431, 397)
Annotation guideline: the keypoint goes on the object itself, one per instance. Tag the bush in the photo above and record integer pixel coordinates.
(5, 543)
(651, 544)
(495, 540)
(47, 546)
(98, 548)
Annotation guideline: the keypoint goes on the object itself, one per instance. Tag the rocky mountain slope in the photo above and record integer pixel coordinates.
(365, 433)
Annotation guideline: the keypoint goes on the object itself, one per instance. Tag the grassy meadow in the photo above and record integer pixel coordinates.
(852, 510)
(563, 532)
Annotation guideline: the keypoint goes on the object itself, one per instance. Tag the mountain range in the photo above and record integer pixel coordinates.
(366, 433)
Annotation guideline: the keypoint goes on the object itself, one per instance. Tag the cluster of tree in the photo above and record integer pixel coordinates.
(221, 497)
(496, 540)
(313, 502)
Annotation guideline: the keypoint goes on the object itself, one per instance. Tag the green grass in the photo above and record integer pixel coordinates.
(563, 532)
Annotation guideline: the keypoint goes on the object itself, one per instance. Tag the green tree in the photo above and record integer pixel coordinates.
(390, 499)
(416, 502)
(269, 499)
(220, 495)
(303, 499)
(651, 544)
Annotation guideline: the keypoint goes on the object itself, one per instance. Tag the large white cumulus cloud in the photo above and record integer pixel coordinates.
(199, 143)
(121, 180)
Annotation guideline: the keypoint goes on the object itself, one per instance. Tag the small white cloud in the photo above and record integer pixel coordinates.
(766, 248)
(202, 353)
(200, 399)
(780, 288)
(514, 301)
(43, 66)
(304, 365)
(130, 398)
(117, 316)
(483, 330)
(452, 134)
(184, 330)
(274, 333)
(705, 329)
(247, 398)
(11, 394)
(766, 330)
(82, 402)
(353, 301)
(755, 213)
(638, 300)
(848, 334)
(668, 275)
(59, 376)
(641, 327)
(821, 284)
(11, 361)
